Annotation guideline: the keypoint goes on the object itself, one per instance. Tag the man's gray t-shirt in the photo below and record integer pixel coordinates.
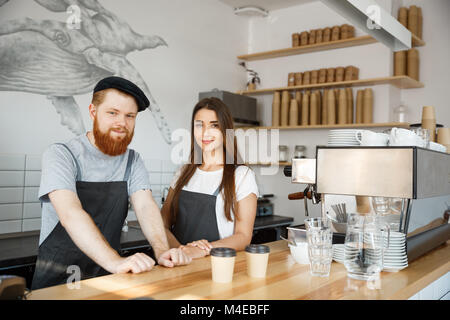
(59, 172)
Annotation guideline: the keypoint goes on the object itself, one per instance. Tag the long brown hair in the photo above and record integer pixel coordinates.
(229, 150)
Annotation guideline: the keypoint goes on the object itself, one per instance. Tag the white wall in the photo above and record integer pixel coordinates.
(203, 39)
(434, 57)
(374, 60)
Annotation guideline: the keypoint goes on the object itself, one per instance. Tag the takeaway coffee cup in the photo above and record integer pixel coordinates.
(222, 264)
(257, 256)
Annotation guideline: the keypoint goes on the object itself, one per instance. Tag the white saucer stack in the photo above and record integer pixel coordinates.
(395, 257)
(338, 253)
(342, 137)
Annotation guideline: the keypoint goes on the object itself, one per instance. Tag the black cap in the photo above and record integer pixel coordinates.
(126, 86)
(257, 248)
(223, 252)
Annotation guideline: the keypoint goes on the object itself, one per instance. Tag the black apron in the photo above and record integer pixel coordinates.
(107, 204)
(196, 217)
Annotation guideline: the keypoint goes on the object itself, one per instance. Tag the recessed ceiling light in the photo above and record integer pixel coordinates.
(251, 11)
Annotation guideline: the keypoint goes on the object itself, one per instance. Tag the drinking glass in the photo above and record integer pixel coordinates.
(320, 249)
(381, 205)
(425, 135)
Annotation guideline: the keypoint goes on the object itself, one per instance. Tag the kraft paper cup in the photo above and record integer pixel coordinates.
(222, 264)
(428, 112)
(257, 256)
(443, 136)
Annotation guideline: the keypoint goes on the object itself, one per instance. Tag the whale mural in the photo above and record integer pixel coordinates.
(61, 60)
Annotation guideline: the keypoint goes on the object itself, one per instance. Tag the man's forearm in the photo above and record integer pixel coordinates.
(153, 228)
(88, 238)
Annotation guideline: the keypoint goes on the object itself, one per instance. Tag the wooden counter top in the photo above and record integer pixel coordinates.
(285, 280)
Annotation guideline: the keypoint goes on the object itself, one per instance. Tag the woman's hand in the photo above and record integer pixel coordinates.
(201, 244)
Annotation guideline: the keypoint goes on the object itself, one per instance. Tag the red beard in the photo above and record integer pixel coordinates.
(111, 146)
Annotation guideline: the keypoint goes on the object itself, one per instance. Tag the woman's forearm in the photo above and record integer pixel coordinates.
(237, 241)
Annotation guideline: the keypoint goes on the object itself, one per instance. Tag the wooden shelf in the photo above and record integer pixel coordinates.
(334, 126)
(352, 42)
(401, 82)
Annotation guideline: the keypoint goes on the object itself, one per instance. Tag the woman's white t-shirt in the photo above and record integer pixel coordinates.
(207, 182)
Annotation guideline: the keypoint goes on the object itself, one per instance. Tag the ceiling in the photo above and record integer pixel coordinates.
(268, 5)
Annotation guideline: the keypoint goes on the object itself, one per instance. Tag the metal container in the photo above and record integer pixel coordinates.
(243, 108)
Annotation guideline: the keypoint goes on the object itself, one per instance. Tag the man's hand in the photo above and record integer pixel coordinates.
(174, 257)
(137, 263)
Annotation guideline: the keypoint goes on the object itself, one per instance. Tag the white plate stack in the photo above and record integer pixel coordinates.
(338, 253)
(395, 258)
(342, 137)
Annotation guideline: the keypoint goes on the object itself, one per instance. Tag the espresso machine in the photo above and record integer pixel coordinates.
(419, 177)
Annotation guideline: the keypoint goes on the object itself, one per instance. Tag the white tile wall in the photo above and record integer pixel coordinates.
(31, 194)
(10, 211)
(32, 210)
(10, 226)
(33, 162)
(11, 195)
(32, 178)
(11, 178)
(20, 177)
(19, 184)
(31, 224)
(10, 162)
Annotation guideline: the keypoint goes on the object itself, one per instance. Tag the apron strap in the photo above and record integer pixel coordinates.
(129, 164)
(216, 193)
(78, 177)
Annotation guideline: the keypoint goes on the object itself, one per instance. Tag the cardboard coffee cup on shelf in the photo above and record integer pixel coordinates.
(402, 16)
(400, 63)
(322, 75)
(257, 257)
(326, 37)
(304, 38)
(295, 39)
(312, 37)
(344, 31)
(276, 109)
(222, 264)
(340, 72)
(314, 76)
(412, 65)
(335, 33)
(298, 78)
(331, 74)
(306, 77)
(291, 79)
(319, 36)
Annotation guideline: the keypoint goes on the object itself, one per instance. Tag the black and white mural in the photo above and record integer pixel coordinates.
(62, 59)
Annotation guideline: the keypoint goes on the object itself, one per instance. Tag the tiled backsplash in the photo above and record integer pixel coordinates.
(20, 176)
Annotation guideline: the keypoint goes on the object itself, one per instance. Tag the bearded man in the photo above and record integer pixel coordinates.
(85, 187)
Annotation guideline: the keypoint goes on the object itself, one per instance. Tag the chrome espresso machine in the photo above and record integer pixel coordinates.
(419, 177)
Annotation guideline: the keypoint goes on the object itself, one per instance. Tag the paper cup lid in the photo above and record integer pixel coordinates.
(257, 248)
(223, 252)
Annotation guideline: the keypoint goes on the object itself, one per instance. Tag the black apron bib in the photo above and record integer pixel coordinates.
(107, 204)
(196, 217)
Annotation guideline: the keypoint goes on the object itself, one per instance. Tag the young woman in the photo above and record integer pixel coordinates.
(212, 199)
